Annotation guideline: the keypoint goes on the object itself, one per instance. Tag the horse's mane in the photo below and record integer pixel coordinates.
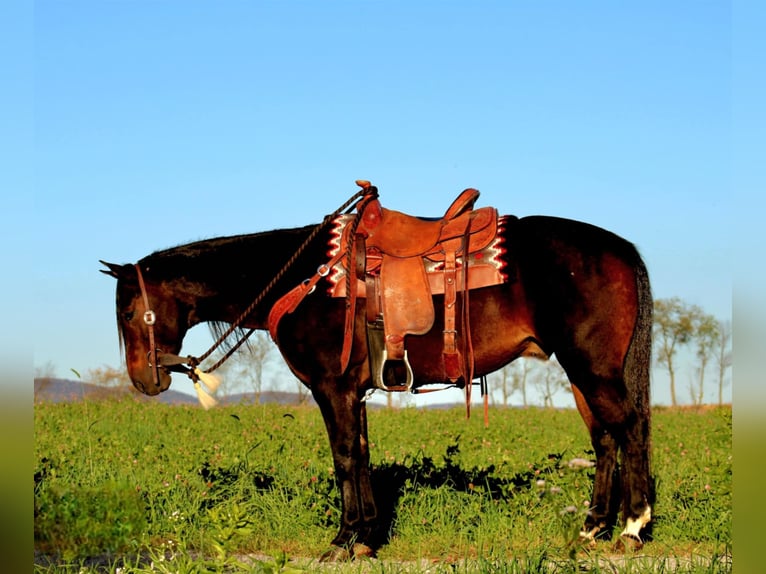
(205, 246)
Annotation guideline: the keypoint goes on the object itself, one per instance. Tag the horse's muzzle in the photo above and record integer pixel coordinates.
(146, 384)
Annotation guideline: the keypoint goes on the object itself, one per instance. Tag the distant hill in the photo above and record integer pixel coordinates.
(65, 390)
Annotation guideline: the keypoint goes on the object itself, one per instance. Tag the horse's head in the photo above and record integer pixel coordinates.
(150, 322)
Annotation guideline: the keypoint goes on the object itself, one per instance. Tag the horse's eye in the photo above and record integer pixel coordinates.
(128, 316)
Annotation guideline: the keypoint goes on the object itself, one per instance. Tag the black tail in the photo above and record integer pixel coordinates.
(638, 360)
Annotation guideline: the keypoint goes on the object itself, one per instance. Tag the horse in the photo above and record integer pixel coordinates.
(569, 288)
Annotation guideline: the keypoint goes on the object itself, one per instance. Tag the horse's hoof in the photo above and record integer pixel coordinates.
(336, 554)
(360, 550)
(628, 543)
(342, 554)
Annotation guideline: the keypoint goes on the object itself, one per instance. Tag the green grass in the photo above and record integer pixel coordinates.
(151, 488)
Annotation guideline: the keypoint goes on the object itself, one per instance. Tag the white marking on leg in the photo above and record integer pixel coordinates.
(634, 525)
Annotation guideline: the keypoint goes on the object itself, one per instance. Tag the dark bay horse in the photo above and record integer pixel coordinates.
(572, 289)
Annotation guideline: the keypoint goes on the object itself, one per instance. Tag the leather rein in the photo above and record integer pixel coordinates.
(157, 359)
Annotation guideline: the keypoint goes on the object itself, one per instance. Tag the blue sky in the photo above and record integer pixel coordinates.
(158, 123)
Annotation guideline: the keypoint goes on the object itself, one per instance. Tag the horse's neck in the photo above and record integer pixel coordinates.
(228, 274)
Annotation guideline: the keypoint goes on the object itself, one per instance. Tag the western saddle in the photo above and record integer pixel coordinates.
(397, 263)
(403, 261)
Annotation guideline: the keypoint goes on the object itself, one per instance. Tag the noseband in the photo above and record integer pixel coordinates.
(150, 318)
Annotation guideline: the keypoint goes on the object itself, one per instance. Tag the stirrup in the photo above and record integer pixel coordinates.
(378, 357)
(378, 377)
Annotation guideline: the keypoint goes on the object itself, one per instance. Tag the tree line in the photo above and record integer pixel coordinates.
(677, 326)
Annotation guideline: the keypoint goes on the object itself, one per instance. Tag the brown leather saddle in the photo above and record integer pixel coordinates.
(400, 262)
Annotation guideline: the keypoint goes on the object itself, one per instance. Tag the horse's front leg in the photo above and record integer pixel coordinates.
(345, 416)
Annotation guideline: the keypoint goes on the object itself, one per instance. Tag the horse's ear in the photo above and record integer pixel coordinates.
(112, 270)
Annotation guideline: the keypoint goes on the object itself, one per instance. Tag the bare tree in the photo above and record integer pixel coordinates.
(245, 369)
(722, 357)
(673, 328)
(107, 376)
(43, 376)
(511, 378)
(549, 378)
(259, 352)
(705, 336)
(45, 371)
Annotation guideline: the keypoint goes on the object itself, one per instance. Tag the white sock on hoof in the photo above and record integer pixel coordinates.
(634, 525)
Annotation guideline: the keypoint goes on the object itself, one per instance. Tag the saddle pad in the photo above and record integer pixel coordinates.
(486, 267)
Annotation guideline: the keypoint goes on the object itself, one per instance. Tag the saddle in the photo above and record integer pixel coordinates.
(397, 263)
(400, 263)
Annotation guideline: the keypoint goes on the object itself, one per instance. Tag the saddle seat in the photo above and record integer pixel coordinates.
(401, 235)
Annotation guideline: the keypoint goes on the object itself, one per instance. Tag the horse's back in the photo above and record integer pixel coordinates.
(552, 253)
(541, 235)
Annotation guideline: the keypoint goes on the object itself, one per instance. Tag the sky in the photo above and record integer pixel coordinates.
(159, 123)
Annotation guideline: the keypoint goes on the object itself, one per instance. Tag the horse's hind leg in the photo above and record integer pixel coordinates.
(604, 505)
(628, 425)
(638, 485)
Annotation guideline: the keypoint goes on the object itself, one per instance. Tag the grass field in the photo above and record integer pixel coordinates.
(136, 487)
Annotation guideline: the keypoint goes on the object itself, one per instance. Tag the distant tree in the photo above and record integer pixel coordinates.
(511, 378)
(43, 376)
(673, 327)
(722, 356)
(404, 399)
(705, 337)
(107, 376)
(398, 399)
(549, 378)
(502, 381)
(245, 369)
(45, 371)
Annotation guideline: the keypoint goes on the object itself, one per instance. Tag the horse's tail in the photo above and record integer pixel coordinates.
(638, 360)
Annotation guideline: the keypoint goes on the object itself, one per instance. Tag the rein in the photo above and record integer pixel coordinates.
(176, 363)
